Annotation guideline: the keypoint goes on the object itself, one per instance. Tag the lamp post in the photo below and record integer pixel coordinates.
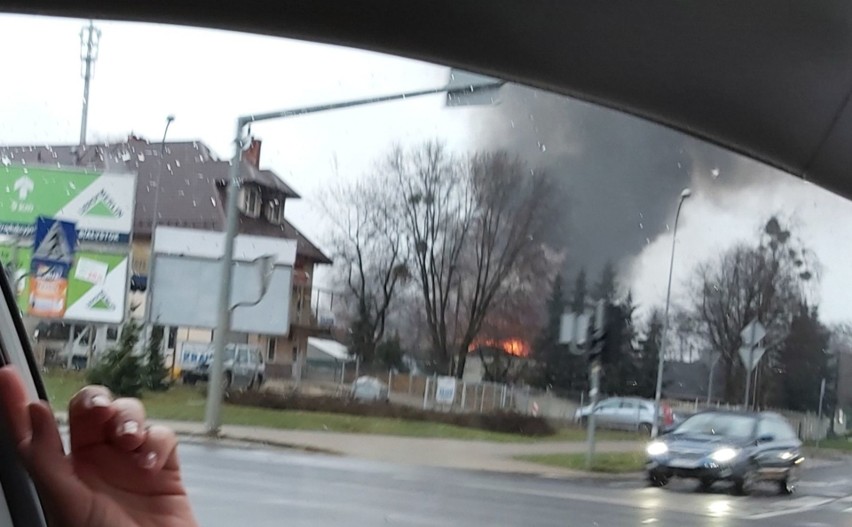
(462, 88)
(154, 220)
(662, 359)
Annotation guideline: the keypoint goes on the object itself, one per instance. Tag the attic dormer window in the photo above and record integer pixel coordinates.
(251, 201)
(275, 211)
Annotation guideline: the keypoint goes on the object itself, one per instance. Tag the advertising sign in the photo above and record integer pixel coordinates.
(95, 288)
(187, 277)
(445, 391)
(53, 254)
(48, 288)
(100, 204)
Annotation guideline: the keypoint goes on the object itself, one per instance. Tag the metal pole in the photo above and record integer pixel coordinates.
(213, 414)
(749, 366)
(594, 380)
(819, 421)
(710, 379)
(153, 238)
(655, 428)
(426, 393)
(87, 39)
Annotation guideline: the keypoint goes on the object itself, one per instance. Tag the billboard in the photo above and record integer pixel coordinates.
(185, 281)
(99, 203)
(95, 289)
(79, 222)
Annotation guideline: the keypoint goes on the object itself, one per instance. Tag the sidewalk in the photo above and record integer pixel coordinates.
(432, 452)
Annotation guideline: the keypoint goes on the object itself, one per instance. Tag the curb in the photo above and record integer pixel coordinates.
(199, 438)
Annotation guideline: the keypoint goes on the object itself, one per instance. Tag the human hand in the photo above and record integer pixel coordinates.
(119, 472)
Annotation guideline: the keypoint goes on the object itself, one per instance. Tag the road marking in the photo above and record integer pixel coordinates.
(798, 506)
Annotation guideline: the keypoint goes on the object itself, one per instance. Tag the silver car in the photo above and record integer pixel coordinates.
(625, 413)
(244, 369)
(369, 389)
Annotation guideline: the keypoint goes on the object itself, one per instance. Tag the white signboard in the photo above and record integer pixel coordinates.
(187, 276)
(445, 391)
(751, 356)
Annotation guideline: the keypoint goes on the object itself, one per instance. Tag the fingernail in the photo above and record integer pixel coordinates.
(128, 428)
(99, 401)
(147, 461)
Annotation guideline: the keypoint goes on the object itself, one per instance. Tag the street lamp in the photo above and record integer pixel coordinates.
(662, 359)
(463, 88)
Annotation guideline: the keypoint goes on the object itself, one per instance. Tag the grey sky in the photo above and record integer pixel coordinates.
(206, 78)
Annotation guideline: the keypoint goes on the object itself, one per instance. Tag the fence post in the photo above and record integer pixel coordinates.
(464, 394)
(390, 381)
(426, 393)
(482, 398)
(410, 377)
(503, 398)
(493, 396)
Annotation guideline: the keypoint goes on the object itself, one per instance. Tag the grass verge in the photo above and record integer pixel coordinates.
(606, 462)
(183, 403)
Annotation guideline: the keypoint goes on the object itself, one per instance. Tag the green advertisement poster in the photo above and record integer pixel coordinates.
(97, 284)
(100, 204)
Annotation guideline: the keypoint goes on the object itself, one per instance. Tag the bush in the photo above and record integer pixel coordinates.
(156, 373)
(505, 422)
(120, 369)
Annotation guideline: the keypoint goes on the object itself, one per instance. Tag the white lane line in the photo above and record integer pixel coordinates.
(655, 502)
(806, 505)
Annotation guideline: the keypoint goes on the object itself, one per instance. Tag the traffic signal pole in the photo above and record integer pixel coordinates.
(594, 383)
(595, 379)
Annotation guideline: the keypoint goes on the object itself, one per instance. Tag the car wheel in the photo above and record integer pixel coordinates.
(226, 382)
(744, 484)
(584, 421)
(705, 484)
(656, 479)
(645, 429)
(251, 385)
(788, 485)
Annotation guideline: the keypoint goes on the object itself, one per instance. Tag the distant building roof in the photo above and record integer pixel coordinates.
(192, 181)
(328, 349)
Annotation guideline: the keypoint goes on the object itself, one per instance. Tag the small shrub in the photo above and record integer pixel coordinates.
(505, 422)
(120, 369)
(156, 372)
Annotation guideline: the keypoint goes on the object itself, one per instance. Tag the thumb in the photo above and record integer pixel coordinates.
(63, 494)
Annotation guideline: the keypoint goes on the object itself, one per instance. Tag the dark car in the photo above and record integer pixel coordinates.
(741, 447)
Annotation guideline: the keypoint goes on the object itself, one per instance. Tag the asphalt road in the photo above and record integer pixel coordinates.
(258, 486)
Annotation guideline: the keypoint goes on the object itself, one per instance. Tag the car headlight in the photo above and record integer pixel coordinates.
(657, 448)
(723, 455)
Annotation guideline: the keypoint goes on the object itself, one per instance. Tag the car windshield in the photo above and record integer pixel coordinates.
(719, 424)
(438, 268)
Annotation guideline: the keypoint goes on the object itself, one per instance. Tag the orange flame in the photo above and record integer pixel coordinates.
(513, 346)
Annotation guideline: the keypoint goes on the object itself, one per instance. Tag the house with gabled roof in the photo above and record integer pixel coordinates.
(192, 184)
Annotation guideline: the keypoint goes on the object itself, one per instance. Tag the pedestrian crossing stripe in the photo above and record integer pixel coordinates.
(55, 245)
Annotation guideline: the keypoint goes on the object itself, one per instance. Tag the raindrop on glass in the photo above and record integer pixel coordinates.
(715, 173)
(542, 147)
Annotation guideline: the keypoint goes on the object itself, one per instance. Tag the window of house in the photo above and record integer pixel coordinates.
(251, 201)
(274, 211)
(112, 333)
(295, 353)
(270, 350)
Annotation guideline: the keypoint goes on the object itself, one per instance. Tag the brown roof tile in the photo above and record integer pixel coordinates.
(189, 177)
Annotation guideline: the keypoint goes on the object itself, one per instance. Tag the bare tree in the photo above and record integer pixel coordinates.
(765, 282)
(370, 250)
(473, 221)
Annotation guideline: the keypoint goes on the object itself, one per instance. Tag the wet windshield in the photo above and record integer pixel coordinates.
(491, 259)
